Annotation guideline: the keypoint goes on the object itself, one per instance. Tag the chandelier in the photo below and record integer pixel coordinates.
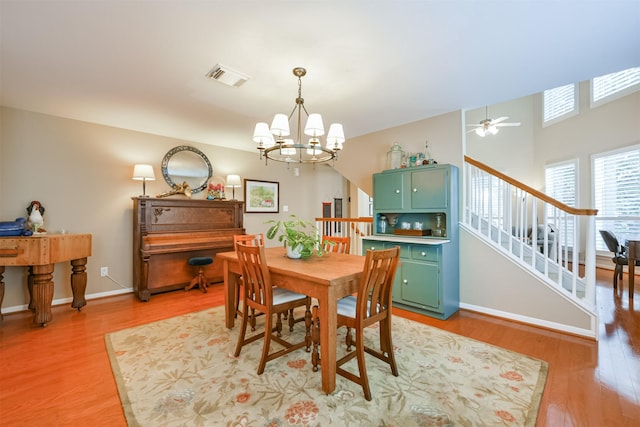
(273, 142)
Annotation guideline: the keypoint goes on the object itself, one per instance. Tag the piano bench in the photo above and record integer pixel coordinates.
(200, 279)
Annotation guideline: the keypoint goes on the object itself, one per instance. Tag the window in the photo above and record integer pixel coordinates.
(559, 103)
(615, 85)
(561, 183)
(616, 193)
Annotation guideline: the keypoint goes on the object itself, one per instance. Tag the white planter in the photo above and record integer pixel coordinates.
(294, 252)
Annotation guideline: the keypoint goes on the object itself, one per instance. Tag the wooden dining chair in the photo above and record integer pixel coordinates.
(371, 305)
(261, 296)
(247, 239)
(336, 244)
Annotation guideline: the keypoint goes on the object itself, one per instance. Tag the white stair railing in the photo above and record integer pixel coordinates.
(541, 233)
(355, 228)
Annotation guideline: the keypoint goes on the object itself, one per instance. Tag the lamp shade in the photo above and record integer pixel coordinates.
(263, 136)
(280, 125)
(143, 173)
(233, 181)
(314, 126)
(335, 137)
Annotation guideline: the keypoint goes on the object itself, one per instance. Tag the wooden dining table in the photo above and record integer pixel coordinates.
(326, 278)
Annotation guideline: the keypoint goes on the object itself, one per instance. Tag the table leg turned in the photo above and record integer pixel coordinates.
(1, 289)
(79, 282)
(42, 293)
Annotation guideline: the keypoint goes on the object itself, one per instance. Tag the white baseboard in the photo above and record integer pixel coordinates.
(589, 333)
(62, 301)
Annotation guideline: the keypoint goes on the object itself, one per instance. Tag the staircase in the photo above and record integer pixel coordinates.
(540, 234)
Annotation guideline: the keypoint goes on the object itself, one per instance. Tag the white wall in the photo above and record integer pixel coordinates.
(81, 172)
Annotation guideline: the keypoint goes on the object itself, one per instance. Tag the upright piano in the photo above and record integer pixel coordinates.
(169, 231)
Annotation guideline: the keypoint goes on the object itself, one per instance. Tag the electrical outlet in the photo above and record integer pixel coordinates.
(104, 271)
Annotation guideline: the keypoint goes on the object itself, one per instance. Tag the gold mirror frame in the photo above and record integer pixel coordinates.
(187, 164)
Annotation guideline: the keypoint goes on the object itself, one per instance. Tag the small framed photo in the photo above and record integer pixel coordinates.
(261, 196)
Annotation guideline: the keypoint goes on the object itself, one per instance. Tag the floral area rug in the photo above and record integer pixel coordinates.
(181, 372)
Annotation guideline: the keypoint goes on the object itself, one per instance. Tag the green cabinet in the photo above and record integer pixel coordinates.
(390, 191)
(412, 189)
(419, 284)
(427, 280)
(429, 188)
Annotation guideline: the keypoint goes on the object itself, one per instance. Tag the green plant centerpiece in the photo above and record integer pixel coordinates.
(301, 237)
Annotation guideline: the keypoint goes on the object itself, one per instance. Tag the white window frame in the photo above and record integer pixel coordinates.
(615, 85)
(623, 225)
(559, 96)
(570, 180)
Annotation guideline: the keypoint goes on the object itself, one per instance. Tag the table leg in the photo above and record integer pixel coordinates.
(1, 289)
(328, 330)
(79, 282)
(632, 262)
(42, 293)
(230, 284)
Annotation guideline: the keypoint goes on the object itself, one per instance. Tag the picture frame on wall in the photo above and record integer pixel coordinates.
(261, 196)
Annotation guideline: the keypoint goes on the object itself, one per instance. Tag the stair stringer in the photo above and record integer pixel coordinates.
(494, 283)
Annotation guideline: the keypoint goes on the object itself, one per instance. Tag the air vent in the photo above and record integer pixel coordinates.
(227, 76)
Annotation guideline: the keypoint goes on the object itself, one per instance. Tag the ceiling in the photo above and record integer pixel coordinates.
(371, 65)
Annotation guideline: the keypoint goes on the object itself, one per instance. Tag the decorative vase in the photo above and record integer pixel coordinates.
(294, 252)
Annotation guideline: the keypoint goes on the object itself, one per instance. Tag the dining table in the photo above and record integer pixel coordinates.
(326, 278)
(633, 253)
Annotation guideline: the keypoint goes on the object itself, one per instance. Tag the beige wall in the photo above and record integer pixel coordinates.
(81, 173)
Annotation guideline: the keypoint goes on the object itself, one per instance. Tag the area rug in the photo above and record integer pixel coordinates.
(181, 372)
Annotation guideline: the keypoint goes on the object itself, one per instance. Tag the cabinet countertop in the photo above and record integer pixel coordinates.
(405, 239)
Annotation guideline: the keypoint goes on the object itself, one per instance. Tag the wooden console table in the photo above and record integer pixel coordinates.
(40, 252)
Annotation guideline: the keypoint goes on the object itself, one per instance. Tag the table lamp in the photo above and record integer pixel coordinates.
(143, 173)
(234, 182)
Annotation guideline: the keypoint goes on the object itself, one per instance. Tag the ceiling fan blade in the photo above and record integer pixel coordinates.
(471, 130)
(498, 120)
(508, 124)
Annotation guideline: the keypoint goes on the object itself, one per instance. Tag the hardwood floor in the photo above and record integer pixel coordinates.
(60, 375)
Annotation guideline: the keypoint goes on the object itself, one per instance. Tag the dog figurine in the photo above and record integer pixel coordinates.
(35, 220)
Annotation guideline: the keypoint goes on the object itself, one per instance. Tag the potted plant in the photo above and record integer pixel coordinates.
(301, 237)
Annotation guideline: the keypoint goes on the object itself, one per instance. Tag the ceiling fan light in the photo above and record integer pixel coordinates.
(493, 130)
(480, 132)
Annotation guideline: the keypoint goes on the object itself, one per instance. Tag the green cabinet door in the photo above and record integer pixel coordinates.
(429, 189)
(388, 191)
(420, 284)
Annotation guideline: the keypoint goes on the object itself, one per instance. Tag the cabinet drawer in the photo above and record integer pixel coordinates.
(405, 249)
(424, 253)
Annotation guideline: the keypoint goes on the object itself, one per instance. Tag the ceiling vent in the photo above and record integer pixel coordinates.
(227, 76)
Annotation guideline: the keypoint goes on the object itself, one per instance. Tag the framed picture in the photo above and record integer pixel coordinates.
(261, 196)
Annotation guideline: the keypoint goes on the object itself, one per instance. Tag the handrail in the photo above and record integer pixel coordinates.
(539, 194)
(514, 217)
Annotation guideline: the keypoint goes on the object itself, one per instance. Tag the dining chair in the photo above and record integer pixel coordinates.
(247, 239)
(261, 296)
(619, 258)
(336, 244)
(371, 305)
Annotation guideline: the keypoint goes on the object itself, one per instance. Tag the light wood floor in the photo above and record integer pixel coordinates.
(60, 375)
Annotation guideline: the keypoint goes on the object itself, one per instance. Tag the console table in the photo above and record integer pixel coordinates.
(40, 252)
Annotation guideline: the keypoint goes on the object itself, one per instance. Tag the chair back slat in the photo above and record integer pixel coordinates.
(374, 294)
(340, 244)
(249, 239)
(255, 276)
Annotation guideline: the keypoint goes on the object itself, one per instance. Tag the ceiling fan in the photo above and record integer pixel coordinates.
(490, 126)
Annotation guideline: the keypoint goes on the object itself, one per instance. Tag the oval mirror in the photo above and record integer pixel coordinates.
(187, 164)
